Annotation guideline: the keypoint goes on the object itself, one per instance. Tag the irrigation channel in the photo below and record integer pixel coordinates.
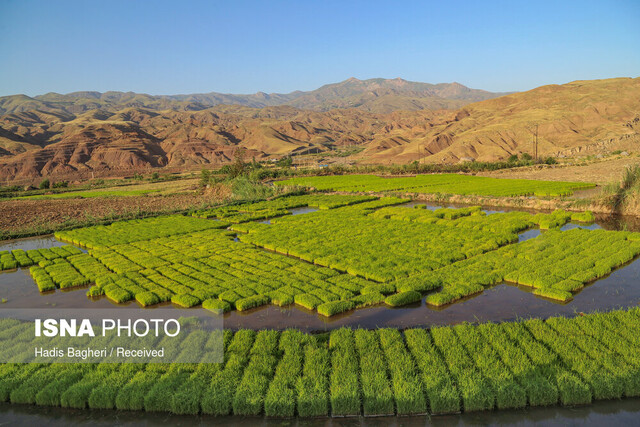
(599, 413)
(502, 302)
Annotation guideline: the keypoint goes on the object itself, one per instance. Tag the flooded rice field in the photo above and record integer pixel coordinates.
(503, 302)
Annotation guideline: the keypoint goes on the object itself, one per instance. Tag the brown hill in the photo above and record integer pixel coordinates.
(578, 117)
(572, 119)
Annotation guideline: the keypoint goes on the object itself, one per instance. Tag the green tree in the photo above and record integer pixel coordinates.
(44, 184)
(285, 162)
(205, 177)
(239, 166)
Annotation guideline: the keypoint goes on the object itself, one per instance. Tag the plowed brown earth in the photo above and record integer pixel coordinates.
(26, 215)
(601, 172)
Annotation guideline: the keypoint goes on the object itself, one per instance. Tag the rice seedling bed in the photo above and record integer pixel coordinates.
(359, 251)
(462, 251)
(21, 258)
(246, 212)
(439, 184)
(349, 372)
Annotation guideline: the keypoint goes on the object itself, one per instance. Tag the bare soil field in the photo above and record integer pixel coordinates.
(598, 172)
(25, 215)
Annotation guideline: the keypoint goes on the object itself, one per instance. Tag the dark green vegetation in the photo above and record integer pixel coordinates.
(441, 184)
(351, 372)
(256, 171)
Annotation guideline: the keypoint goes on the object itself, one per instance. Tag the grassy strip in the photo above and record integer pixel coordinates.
(407, 387)
(280, 400)
(344, 384)
(509, 394)
(377, 397)
(250, 394)
(442, 394)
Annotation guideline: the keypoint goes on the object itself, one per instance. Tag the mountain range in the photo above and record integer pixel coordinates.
(374, 95)
(390, 120)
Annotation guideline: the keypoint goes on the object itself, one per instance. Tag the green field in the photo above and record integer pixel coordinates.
(129, 190)
(351, 372)
(352, 253)
(269, 209)
(355, 252)
(90, 194)
(439, 184)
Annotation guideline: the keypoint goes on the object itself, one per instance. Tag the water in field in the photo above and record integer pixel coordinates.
(501, 302)
(294, 211)
(601, 413)
(39, 242)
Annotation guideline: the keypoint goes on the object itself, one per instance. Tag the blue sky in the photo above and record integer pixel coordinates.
(162, 47)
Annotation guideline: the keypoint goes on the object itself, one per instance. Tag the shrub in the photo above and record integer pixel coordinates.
(44, 184)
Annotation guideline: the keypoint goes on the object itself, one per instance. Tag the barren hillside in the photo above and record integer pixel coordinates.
(583, 117)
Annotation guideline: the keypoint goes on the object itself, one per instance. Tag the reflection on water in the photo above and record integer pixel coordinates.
(293, 211)
(504, 302)
(528, 234)
(39, 242)
(601, 413)
(302, 210)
